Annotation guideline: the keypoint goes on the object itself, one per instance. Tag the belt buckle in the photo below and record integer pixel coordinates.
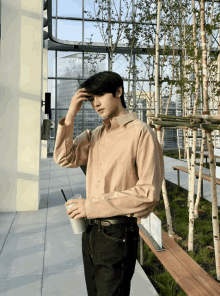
(104, 223)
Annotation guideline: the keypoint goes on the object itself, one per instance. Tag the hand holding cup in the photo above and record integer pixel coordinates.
(77, 210)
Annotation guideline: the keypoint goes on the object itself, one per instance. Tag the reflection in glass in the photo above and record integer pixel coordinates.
(65, 91)
(51, 63)
(69, 64)
(94, 63)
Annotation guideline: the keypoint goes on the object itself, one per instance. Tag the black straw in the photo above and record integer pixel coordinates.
(64, 195)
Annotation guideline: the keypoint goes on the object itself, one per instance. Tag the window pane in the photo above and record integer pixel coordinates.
(145, 86)
(70, 8)
(144, 66)
(69, 64)
(51, 89)
(54, 8)
(144, 91)
(126, 35)
(69, 30)
(125, 89)
(90, 117)
(91, 10)
(120, 65)
(126, 9)
(91, 29)
(51, 63)
(165, 89)
(65, 91)
(54, 28)
(94, 63)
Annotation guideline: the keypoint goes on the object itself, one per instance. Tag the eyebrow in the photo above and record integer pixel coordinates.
(92, 96)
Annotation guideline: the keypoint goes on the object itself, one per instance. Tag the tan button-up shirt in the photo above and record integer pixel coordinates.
(125, 166)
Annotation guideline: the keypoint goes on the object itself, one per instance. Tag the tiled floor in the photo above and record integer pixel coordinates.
(39, 253)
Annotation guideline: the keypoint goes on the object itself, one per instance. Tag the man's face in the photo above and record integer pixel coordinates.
(107, 102)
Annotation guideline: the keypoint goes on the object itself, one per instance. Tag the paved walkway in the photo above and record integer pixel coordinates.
(39, 253)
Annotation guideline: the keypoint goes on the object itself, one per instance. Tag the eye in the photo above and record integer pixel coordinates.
(90, 98)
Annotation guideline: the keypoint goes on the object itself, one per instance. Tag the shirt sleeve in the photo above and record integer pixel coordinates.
(71, 153)
(140, 200)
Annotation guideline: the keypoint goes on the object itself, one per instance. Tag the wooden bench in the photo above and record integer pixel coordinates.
(192, 278)
(185, 170)
(206, 155)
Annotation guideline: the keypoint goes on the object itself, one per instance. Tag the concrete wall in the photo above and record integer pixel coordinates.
(21, 72)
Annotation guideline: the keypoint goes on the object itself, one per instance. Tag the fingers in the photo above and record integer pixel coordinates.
(74, 214)
(84, 92)
(81, 90)
(70, 211)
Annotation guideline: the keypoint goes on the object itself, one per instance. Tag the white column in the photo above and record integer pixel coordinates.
(20, 104)
(45, 84)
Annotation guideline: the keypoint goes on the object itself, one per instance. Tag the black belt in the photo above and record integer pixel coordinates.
(113, 220)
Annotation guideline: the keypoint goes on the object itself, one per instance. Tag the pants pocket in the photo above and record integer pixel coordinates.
(115, 232)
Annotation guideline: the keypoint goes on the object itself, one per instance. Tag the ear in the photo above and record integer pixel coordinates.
(119, 91)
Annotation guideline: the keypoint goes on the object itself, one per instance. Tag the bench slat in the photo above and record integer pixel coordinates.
(211, 285)
(194, 280)
(207, 154)
(204, 176)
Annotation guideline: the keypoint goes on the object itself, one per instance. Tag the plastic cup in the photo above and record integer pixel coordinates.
(78, 225)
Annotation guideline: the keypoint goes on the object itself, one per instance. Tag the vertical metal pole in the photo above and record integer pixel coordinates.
(56, 17)
(108, 44)
(157, 87)
(109, 36)
(83, 22)
(202, 189)
(134, 74)
(56, 79)
(83, 62)
(151, 100)
(181, 98)
(141, 251)
(55, 96)
(134, 83)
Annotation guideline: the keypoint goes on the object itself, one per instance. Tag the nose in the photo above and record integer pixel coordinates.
(96, 101)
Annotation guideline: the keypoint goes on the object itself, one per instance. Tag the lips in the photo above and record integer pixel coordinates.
(100, 110)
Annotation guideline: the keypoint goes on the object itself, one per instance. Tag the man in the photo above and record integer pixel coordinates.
(125, 170)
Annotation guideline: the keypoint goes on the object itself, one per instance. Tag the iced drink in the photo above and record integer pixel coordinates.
(78, 225)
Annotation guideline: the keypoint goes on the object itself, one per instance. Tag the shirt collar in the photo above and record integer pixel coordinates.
(119, 120)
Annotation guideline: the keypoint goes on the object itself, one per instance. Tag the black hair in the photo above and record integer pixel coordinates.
(104, 82)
